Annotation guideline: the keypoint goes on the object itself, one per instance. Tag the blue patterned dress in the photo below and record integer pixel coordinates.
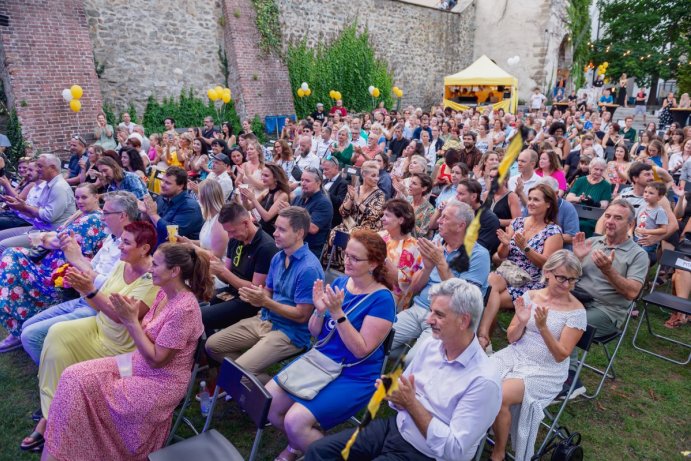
(516, 256)
(27, 288)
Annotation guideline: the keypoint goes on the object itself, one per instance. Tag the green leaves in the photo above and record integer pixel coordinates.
(348, 64)
(268, 25)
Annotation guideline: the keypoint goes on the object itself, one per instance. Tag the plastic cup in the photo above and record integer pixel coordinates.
(172, 232)
(124, 364)
(35, 237)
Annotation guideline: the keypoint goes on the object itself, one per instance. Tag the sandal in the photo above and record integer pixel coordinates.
(37, 415)
(36, 444)
(676, 320)
(287, 457)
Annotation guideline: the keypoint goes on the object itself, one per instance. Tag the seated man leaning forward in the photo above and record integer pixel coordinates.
(430, 424)
(441, 260)
(280, 330)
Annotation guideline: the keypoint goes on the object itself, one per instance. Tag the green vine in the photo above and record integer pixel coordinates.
(14, 134)
(223, 63)
(188, 111)
(268, 25)
(579, 24)
(347, 64)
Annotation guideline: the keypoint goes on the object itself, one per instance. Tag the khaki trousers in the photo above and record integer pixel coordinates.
(251, 344)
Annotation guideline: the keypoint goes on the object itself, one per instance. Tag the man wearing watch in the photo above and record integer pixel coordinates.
(280, 329)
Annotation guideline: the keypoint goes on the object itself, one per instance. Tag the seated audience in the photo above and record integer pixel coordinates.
(197, 164)
(114, 178)
(614, 270)
(219, 173)
(29, 284)
(545, 329)
(250, 174)
(132, 159)
(651, 218)
(103, 335)
(469, 191)
(430, 424)
(403, 256)
(443, 258)
(280, 331)
(119, 209)
(417, 194)
(526, 245)
(336, 186)
(247, 261)
(567, 218)
(505, 204)
(29, 190)
(317, 203)
(267, 206)
(617, 169)
(128, 417)
(549, 164)
(526, 178)
(592, 190)
(175, 206)
(351, 320)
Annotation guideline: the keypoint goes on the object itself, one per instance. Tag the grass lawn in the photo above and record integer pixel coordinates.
(643, 415)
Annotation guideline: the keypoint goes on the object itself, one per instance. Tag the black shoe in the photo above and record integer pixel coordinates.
(37, 415)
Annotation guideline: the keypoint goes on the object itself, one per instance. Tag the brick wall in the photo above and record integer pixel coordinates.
(46, 48)
(259, 83)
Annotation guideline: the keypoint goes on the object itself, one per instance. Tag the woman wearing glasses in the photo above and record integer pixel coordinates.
(544, 331)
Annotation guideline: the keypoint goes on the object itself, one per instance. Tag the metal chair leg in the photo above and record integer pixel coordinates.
(646, 316)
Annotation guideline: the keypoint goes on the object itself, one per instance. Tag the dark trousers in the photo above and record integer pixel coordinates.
(380, 441)
(226, 313)
(11, 220)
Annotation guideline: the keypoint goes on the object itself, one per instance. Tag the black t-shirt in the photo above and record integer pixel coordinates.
(245, 260)
(397, 146)
(321, 116)
(489, 223)
(572, 160)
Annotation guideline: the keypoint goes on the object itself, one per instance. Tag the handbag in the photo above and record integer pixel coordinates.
(296, 173)
(313, 370)
(568, 449)
(514, 275)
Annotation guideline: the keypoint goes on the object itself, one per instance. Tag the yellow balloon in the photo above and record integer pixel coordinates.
(75, 105)
(212, 94)
(301, 92)
(308, 92)
(226, 98)
(219, 91)
(226, 91)
(332, 94)
(76, 92)
(338, 95)
(376, 92)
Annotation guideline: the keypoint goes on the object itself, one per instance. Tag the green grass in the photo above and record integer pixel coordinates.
(643, 415)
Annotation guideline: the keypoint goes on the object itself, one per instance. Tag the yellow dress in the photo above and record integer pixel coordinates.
(89, 338)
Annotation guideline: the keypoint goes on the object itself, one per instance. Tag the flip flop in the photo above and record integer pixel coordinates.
(36, 444)
(37, 415)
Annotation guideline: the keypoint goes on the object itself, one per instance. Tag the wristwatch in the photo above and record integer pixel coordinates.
(527, 249)
(342, 319)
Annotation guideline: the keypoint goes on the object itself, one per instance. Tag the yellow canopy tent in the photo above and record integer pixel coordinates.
(482, 83)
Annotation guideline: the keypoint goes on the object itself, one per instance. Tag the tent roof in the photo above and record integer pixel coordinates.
(482, 72)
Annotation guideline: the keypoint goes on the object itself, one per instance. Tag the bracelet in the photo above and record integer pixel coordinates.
(342, 319)
(318, 315)
(93, 293)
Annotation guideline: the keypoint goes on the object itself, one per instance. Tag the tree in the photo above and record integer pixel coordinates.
(645, 39)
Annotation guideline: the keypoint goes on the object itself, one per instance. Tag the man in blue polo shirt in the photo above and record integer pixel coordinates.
(318, 204)
(442, 259)
(175, 206)
(280, 330)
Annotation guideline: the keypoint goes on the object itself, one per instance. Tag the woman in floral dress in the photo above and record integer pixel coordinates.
(27, 287)
(96, 413)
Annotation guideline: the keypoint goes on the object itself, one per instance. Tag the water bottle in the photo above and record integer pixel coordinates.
(204, 399)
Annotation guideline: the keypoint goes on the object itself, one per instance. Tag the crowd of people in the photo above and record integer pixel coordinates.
(107, 257)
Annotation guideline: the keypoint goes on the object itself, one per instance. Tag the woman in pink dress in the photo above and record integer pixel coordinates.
(96, 413)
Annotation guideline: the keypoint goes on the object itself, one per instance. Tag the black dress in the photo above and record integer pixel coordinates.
(267, 202)
(501, 207)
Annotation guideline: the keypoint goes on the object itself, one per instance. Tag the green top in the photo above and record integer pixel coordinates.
(597, 192)
(344, 158)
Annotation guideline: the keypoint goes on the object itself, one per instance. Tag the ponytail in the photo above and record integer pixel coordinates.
(200, 281)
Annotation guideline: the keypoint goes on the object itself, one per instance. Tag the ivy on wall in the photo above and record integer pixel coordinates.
(347, 64)
(269, 25)
(188, 111)
(579, 24)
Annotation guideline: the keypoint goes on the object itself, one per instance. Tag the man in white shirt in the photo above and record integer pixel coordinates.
(527, 178)
(359, 138)
(430, 424)
(536, 100)
(303, 155)
(119, 210)
(219, 172)
(320, 141)
(127, 122)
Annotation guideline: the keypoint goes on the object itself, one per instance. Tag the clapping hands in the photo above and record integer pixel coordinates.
(327, 298)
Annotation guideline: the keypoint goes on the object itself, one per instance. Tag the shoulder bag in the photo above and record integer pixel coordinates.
(313, 371)
(514, 275)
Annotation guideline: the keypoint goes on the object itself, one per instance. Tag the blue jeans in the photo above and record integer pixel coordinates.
(35, 329)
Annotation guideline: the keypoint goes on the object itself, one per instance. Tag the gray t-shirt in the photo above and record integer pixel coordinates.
(651, 218)
(630, 261)
(686, 171)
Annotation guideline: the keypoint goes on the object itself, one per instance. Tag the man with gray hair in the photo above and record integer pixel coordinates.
(443, 258)
(54, 206)
(446, 425)
(120, 209)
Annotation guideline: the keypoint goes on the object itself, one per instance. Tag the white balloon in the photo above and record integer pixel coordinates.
(370, 89)
(510, 61)
(516, 59)
(304, 86)
(67, 95)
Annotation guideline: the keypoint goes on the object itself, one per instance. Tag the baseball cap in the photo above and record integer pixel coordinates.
(222, 158)
(320, 104)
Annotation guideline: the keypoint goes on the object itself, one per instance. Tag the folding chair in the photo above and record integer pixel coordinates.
(608, 372)
(340, 241)
(588, 212)
(552, 424)
(210, 445)
(196, 368)
(668, 301)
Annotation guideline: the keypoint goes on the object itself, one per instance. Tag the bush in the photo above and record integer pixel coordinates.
(188, 111)
(19, 144)
(347, 64)
(258, 129)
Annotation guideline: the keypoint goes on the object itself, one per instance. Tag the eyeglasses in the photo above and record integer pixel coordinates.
(562, 278)
(353, 258)
(106, 213)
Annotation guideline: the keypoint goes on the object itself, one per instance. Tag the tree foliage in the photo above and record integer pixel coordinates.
(347, 65)
(643, 38)
(579, 22)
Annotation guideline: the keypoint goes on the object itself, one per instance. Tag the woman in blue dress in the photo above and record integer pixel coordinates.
(361, 309)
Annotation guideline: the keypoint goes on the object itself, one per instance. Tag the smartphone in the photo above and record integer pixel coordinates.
(355, 181)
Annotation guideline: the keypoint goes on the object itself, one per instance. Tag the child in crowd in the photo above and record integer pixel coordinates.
(651, 219)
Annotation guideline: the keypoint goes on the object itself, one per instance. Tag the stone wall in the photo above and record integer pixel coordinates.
(41, 53)
(421, 44)
(155, 47)
(530, 29)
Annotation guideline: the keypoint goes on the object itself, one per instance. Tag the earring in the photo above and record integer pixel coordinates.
(370, 272)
